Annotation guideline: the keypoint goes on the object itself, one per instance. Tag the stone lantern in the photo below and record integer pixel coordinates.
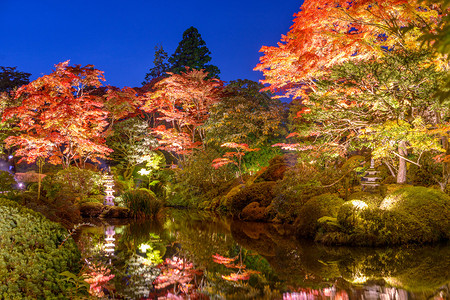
(370, 181)
(109, 183)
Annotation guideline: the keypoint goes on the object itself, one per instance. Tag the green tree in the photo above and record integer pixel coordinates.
(10, 78)
(160, 65)
(132, 144)
(193, 53)
(245, 115)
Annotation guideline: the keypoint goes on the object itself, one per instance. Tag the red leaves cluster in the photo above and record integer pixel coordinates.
(227, 157)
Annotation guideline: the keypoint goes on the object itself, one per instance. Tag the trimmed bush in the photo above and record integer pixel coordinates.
(349, 215)
(74, 182)
(326, 205)
(277, 167)
(428, 206)
(33, 252)
(141, 203)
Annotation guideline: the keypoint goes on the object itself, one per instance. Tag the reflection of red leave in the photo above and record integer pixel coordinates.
(177, 274)
(223, 260)
(242, 276)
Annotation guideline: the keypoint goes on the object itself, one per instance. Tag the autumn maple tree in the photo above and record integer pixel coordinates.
(327, 33)
(182, 102)
(60, 119)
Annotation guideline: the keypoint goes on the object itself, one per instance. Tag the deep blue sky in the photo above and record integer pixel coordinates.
(119, 37)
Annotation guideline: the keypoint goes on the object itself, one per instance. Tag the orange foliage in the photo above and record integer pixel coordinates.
(182, 101)
(326, 33)
(59, 118)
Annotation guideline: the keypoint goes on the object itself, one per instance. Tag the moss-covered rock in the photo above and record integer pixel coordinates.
(253, 212)
(426, 205)
(261, 192)
(115, 212)
(316, 208)
(33, 252)
(91, 209)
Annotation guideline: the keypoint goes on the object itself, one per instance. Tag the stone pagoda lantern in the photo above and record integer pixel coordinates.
(370, 182)
(109, 183)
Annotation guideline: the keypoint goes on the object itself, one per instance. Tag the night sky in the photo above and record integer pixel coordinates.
(119, 37)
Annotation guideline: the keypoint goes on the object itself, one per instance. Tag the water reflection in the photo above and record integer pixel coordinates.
(205, 256)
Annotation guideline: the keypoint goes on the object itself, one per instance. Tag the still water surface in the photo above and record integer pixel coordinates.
(194, 255)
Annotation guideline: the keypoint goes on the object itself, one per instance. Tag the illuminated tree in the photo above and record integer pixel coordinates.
(59, 118)
(245, 115)
(182, 102)
(132, 144)
(327, 33)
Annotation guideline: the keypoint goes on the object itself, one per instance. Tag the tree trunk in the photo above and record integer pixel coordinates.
(401, 175)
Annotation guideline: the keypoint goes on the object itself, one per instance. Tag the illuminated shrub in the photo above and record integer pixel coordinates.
(373, 200)
(277, 167)
(349, 215)
(141, 203)
(428, 206)
(32, 255)
(317, 207)
(299, 184)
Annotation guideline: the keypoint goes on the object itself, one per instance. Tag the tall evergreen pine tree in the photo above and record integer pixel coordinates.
(161, 66)
(193, 53)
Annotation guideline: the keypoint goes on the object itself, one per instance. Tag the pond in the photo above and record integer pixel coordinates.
(194, 255)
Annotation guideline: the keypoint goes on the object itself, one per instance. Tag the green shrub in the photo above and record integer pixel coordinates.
(141, 203)
(33, 254)
(349, 215)
(299, 184)
(277, 167)
(375, 227)
(74, 182)
(261, 192)
(428, 206)
(7, 181)
(326, 205)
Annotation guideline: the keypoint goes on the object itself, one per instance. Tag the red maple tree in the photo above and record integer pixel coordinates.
(60, 118)
(182, 102)
(326, 33)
